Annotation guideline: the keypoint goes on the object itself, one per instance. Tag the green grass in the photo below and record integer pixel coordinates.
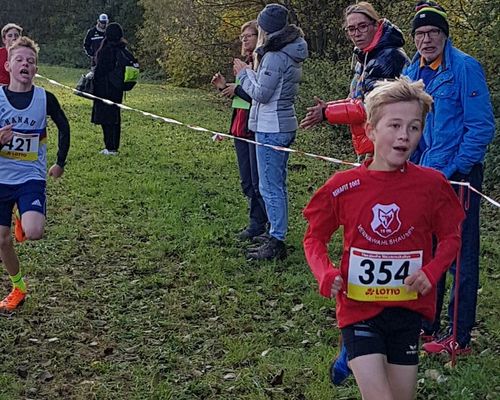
(140, 291)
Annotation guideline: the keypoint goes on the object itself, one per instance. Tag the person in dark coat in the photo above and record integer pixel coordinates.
(108, 116)
(379, 55)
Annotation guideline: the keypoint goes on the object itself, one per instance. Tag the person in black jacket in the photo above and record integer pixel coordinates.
(108, 116)
(94, 37)
(379, 55)
(245, 152)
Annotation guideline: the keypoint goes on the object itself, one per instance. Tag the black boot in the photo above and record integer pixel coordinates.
(273, 249)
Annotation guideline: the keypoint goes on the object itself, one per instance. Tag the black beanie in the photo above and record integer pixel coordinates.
(273, 18)
(114, 32)
(430, 13)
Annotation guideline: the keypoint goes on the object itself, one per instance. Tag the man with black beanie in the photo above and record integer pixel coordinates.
(456, 135)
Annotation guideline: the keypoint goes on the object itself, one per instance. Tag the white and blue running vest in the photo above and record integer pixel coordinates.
(24, 158)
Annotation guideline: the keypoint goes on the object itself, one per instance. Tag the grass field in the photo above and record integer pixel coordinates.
(140, 290)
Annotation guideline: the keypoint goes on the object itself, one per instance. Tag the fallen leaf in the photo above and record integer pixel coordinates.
(298, 307)
(45, 376)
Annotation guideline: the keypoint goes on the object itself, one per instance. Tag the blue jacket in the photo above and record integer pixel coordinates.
(460, 125)
(273, 88)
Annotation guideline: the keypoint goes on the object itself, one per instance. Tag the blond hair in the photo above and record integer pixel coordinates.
(395, 91)
(248, 25)
(261, 39)
(24, 41)
(363, 7)
(10, 26)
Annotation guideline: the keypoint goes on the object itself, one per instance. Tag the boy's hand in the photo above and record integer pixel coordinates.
(56, 171)
(6, 134)
(418, 282)
(337, 284)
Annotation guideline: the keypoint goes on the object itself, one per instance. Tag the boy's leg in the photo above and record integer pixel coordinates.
(31, 204)
(402, 380)
(7, 251)
(33, 223)
(371, 376)
(16, 297)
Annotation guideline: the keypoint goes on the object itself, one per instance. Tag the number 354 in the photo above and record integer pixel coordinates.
(382, 273)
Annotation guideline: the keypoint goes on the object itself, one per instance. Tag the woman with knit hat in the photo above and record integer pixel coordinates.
(273, 87)
(108, 116)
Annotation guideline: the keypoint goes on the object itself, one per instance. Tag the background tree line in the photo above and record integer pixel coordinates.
(186, 41)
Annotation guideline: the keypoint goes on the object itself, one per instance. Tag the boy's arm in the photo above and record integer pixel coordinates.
(447, 216)
(57, 115)
(323, 222)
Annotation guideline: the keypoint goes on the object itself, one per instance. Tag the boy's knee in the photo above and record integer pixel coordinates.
(33, 233)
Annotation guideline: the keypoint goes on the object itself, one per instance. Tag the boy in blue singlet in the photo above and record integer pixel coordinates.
(23, 157)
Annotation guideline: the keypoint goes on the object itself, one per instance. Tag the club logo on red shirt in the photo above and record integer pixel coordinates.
(385, 220)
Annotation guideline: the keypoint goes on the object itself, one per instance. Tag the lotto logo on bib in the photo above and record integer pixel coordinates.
(385, 220)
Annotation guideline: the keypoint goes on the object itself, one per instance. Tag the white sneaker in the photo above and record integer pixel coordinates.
(107, 152)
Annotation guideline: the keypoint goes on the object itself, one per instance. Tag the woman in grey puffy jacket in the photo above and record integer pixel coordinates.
(273, 88)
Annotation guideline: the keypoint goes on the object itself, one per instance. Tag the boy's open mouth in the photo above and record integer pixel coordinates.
(24, 71)
(400, 148)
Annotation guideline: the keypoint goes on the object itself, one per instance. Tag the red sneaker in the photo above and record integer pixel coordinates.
(18, 228)
(13, 300)
(426, 337)
(445, 345)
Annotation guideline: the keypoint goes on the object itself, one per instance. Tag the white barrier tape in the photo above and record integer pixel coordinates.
(468, 185)
(198, 128)
(220, 134)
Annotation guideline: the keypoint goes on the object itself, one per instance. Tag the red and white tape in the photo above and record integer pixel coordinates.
(220, 134)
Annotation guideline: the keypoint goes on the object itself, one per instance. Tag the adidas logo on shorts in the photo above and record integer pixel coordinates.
(36, 203)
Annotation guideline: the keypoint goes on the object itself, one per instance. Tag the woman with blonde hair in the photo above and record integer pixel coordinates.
(273, 87)
(245, 151)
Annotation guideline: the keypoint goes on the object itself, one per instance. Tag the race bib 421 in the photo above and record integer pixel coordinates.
(380, 275)
(22, 147)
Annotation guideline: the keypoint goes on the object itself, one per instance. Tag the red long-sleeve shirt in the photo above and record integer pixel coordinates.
(389, 219)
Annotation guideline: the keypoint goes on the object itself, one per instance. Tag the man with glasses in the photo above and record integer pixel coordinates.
(456, 135)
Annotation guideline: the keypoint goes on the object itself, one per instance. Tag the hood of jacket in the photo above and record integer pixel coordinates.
(289, 40)
(391, 37)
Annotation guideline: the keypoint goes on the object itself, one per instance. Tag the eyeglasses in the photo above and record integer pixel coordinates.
(361, 28)
(247, 36)
(432, 33)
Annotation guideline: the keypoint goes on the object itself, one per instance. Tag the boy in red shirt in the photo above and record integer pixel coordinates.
(389, 209)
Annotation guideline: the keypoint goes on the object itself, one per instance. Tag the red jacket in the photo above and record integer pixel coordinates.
(389, 219)
(4, 75)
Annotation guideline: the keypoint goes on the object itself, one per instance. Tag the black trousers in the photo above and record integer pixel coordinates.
(112, 134)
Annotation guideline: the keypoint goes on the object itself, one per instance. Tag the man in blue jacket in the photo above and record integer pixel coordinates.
(456, 135)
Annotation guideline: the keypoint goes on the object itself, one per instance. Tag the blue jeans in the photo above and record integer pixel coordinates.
(272, 165)
(249, 178)
(469, 266)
